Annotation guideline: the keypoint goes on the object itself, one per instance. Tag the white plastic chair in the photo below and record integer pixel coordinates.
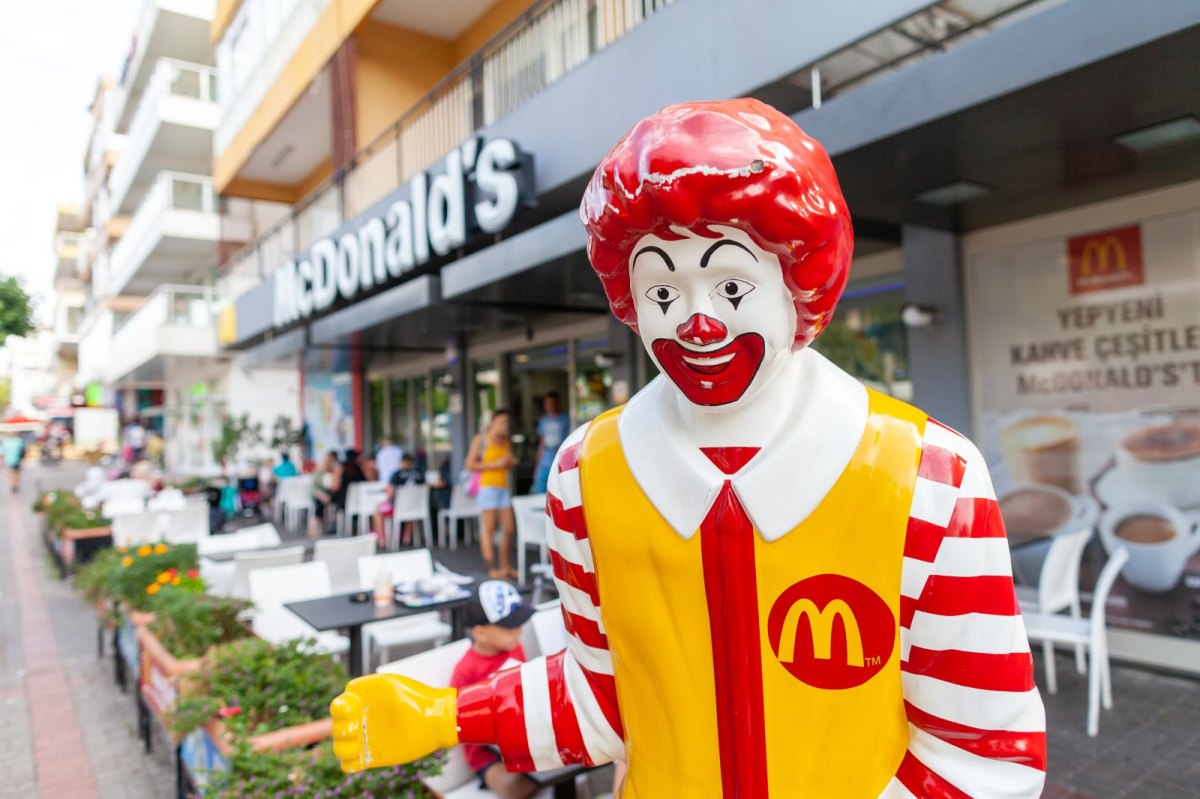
(530, 513)
(362, 501)
(410, 504)
(341, 556)
(294, 499)
(434, 668)
(252, 560)
(112, 508)
(1058, 587)
(132, 529)
(187, 525)
(1090, 633)
(123, 496)
(549, 628)
(462, 508)
(167, 499)
(420, 629)
(270, 589)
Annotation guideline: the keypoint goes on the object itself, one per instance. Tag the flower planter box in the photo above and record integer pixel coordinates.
(160, 671)
(129, 649)
(79, 546)
(207, 749)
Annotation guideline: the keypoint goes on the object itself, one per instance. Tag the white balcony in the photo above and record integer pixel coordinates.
(174, 325)
(164, 29)
(174, 231)
(171, 129)
(95, 346)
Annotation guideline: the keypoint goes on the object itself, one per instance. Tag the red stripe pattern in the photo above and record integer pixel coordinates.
(978, 723)
(565, 713)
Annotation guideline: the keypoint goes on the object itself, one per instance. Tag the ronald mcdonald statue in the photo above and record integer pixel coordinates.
(777, 583)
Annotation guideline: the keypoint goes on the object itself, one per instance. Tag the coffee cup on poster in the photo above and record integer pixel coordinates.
(1160, 539)
(1039, 511)
(1163, 462)
(1043, 450)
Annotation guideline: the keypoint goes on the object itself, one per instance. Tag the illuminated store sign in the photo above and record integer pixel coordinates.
(480, 188)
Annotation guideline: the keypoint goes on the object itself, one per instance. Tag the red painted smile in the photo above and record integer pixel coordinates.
(712, 377)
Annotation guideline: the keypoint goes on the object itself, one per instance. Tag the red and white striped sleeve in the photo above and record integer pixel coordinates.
(562, 709)
(977, 727)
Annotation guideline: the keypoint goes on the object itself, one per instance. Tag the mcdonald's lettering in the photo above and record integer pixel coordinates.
(1106, 260)
(830, 631)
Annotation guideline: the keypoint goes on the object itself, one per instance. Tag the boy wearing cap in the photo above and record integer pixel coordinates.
(494, 618)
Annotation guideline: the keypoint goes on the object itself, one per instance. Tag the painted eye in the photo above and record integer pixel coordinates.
(663, 295)
(734, 290)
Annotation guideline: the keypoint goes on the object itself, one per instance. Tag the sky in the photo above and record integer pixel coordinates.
(52, 52)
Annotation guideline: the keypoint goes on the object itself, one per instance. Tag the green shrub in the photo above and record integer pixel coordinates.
(188, 624)
(314, 772)
(259, 687)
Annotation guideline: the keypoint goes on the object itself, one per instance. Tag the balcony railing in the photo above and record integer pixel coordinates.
(144, 334)
(545, 43)
(171, 191)
(171, 79)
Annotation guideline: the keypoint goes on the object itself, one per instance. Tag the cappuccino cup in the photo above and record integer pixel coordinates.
(1159, 538)
(1041, 511)
(1043, 450)
(1163, 462)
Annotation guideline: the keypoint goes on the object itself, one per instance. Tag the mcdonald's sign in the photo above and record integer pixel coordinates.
(1106, 260)
(831, 631)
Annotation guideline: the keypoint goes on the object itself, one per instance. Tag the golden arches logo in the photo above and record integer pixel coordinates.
(1101, 255)
(820, 621)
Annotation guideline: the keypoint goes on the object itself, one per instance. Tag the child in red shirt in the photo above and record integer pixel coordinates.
(494, 618)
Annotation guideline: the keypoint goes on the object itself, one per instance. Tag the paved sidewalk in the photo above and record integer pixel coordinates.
(66, 731)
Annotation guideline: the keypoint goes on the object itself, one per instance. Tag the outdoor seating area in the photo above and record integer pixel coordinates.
(181, 609)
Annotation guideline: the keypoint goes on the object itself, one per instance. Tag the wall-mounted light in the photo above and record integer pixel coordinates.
(919, 317)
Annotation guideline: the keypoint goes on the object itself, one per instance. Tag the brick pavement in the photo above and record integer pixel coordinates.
(66, 731)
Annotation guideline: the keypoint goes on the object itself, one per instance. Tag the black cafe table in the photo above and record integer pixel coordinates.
(340, 611)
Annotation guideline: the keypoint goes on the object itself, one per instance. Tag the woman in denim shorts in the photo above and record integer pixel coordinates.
(491, 456)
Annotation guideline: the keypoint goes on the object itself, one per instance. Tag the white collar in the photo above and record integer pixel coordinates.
(781, 485)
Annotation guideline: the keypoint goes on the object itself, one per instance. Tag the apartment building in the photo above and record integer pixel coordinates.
(148, 340)
(1023, 177)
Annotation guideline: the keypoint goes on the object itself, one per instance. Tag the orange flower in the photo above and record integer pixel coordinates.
(144, 551)
(126, 561)
(160, 549)
(174, 581)
(152, 589)
(164, 578)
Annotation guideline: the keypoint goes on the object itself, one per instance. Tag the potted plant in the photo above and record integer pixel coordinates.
(237, 432)
(82, 535)
(186, 624)
(286, 437)
(250, 720)
(255, 774)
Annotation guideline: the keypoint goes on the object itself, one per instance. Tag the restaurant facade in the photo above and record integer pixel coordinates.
(1025, 185)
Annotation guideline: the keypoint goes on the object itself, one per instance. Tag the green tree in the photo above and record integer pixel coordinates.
(16, 309)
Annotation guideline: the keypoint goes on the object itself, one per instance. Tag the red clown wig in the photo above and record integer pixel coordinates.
(738, 163)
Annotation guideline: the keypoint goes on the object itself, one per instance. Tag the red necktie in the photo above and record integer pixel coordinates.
(730, 586)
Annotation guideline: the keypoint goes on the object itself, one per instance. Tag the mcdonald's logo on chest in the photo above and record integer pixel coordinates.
(1106, 260)
(831, 631)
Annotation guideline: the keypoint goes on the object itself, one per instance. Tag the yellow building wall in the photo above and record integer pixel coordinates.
(395, 67)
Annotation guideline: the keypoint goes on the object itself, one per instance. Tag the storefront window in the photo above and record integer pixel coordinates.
(402, 432)
(593, 379)
(867, 339)
(375, 413)
(1086, 360)
(534, 374)
(485, 391)
(437, 430)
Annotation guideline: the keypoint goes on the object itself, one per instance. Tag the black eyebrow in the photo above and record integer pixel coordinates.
(708, 253)
(659, 250)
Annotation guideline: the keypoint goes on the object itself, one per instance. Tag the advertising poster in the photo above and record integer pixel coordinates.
(1087, 368)
(329, 402)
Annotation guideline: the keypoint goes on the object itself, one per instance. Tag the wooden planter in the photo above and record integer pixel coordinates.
(78, 546)
(161, 671)
(207, 748)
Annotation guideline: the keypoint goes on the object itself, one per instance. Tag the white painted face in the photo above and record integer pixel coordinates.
(713, 313)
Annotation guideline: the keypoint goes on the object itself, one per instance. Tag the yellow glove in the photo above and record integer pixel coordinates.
(386, 720)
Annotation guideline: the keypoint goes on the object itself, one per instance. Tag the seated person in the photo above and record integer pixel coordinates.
(406, 474)
(494, 622)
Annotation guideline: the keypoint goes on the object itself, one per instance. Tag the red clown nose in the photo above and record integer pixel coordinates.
(701, 329)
